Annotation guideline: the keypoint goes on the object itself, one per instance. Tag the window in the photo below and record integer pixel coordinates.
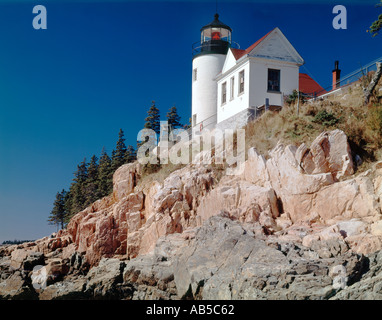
(241, 81)
(195, 74)
(193, 120)
(232, 88)
(273, 80)
(224, 93)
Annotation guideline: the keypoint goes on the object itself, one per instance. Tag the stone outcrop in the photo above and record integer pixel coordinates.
(296, 182)
(222, 260)
(296, 224)
(329, 152)
(130, 222)
(306, 180)
(243, 201)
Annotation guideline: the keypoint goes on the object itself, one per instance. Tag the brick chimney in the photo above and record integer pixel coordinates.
(336, 76)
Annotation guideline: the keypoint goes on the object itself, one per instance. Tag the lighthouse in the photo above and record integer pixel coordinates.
(209, 55)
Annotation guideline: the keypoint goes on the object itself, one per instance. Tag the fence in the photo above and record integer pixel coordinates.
(350, 78)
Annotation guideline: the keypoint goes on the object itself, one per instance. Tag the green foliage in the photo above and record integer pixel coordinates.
(91, 181)
(153, 118)
(119, 156)
(150, 168)
(173, 119)
(91, 185)
(294, 97)
(58, 215)
(152, 121)
(131, 154)
(105, 174)
(15, 241)
(325, 118)
(375, 120)
(77, 189)
(377, 24)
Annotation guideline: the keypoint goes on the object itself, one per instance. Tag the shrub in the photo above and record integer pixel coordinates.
(374, 120)
(294, 96)
(325, 118)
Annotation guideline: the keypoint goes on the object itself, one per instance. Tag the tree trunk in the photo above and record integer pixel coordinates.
(369, 90)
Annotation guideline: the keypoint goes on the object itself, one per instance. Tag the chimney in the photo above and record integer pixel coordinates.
(336, 76)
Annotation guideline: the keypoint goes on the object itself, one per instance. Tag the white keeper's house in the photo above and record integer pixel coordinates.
(230, 86)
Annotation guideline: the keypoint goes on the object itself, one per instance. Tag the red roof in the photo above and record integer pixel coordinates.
(308, 86)
(238, 53)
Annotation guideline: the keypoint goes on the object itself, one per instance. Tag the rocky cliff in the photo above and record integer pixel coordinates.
(298, 223)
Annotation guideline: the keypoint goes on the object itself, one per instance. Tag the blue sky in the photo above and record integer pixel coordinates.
(66, 91)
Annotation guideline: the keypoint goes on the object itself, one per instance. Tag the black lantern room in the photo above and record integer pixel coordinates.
(215, 38)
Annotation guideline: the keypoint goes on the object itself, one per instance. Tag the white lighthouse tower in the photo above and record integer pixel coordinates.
(208, 59)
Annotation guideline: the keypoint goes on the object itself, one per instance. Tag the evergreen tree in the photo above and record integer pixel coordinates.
(112, 157)
(152, 121)
(173, 119)
(81, 174)
(59, 214)
(153, 118)
(131, 154)
(105, 174)
(377, 24)
(77, 189)
(68, 199)
(119, 156)
(91, 185)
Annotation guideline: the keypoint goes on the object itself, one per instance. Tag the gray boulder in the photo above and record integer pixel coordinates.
(103, 280)
(226, 262)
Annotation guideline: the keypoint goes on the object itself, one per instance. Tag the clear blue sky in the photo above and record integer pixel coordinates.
(66, 91)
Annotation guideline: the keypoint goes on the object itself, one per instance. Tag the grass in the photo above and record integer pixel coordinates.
(362, 124)
(157, 173)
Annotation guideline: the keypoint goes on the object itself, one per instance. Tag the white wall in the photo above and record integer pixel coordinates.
(240, 101)
(289, 75)
(204, 89)
(256, 86)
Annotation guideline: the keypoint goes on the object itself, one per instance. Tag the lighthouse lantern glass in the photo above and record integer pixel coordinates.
(216, 34)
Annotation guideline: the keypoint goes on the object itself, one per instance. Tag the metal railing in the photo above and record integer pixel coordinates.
(207, 123)
(350, 78)
(198, 46)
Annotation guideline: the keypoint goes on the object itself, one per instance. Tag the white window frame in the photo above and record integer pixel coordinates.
(224, 93)
(241, 82)
(271, 82)
(232, 88)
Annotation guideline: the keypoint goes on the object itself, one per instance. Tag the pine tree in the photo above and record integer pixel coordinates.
(152, 121)
(81, 174)
(119, 155)
(376, 26)
(153, 118)
(173, 119)
(105, 174)
(59, 214)
(68, 200)
(91, 184)
(77, 189)
(131, 154)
